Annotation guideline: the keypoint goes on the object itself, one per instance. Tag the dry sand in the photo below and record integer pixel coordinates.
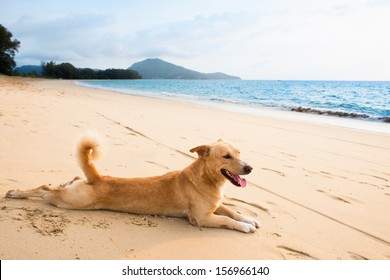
(320, 192)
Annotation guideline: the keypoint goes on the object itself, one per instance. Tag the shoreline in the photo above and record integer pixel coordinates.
(368, 125)
(316, 189)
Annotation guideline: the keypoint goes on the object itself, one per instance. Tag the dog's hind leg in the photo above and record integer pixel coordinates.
(49, 195)
(37, 192)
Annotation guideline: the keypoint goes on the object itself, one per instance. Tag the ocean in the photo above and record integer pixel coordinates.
(366, 100)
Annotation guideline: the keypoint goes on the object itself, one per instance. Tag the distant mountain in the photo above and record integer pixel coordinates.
(29, 69)
(154, 68)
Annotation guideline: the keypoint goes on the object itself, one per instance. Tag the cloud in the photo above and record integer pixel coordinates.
(375, 3)
(67, 38)
(198, 36)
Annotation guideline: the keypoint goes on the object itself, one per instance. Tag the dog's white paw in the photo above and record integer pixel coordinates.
(252, 222)
(247, 228)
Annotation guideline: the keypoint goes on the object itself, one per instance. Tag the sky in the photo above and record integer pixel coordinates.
(259, 39)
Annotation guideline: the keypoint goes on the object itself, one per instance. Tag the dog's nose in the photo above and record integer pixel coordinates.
(248, 169)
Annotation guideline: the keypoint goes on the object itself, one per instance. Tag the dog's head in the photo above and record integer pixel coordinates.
(224, 160)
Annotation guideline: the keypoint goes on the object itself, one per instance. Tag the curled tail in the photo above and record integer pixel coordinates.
(88, 149)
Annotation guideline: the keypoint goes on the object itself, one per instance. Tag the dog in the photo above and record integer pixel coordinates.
(196, 192)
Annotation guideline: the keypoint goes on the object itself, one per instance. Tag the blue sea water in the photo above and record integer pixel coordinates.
(359, 97)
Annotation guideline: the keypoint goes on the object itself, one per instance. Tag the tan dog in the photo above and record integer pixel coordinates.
(195, 192)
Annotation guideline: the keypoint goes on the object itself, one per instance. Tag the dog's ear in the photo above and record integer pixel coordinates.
(203, 151)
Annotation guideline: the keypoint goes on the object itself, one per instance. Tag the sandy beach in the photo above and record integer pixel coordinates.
(320, 191)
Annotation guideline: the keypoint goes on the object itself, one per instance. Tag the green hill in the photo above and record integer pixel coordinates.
(29, 69)
(154, 68)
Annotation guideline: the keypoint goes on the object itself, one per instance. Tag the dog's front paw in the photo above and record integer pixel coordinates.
(252, 222)
(247, 228)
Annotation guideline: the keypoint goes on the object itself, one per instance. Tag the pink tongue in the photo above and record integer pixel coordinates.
(239, 180)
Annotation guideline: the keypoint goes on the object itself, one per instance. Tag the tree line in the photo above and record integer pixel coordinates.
(68, 71)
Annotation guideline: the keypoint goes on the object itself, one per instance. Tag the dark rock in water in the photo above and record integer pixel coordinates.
(385, 119)
(329, 113)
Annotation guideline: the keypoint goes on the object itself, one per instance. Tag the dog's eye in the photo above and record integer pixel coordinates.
(227, 156)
